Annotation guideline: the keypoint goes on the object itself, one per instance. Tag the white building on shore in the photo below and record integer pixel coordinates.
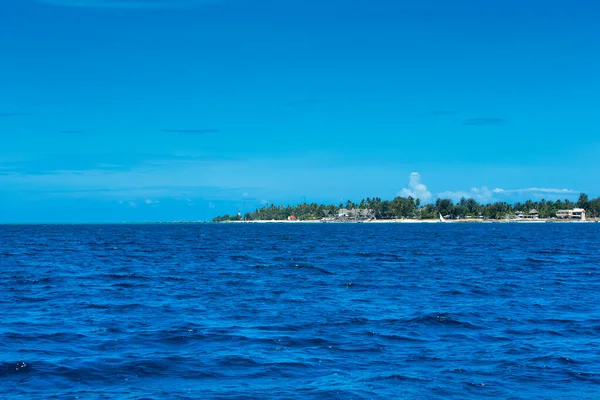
(576, 213)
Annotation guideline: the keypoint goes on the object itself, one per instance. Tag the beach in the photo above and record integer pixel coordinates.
(416, 221)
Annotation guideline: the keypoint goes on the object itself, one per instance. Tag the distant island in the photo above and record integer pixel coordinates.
(408, 208)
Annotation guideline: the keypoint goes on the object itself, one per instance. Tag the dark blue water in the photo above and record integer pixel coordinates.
(305, 311)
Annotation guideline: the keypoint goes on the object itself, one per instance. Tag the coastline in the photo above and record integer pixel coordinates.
(414, 221)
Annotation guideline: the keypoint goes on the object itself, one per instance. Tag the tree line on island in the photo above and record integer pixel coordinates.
(409, 207)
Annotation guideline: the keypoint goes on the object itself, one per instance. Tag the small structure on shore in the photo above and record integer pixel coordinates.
(519, 214)
(576, 213)
(532, 214)
(292, 218)
(345, 214)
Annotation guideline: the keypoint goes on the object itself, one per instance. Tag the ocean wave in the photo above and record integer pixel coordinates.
(311, 311)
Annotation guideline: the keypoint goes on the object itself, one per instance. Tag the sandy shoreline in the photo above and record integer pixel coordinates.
(413, 221)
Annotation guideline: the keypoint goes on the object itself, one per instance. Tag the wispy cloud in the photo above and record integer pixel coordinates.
(485, 122)
(536, 190)
(201, 131)
(72, 132)
(483, 195)
(130, 203)
(302, 102)
(416, 189)
(444, 112)
(131, 4)
(58, 164)
(14, 114)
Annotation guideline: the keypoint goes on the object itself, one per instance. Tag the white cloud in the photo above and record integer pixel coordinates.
(218, 180)
(152, 202)
(132, 204)
(536, 190)
(416, 189)
(483, 195)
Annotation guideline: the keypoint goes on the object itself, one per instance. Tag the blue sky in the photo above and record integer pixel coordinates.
(139, 110)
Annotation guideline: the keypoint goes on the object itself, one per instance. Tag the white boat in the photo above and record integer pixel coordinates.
(442, 218)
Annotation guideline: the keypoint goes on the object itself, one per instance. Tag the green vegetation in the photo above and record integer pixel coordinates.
(408, 207)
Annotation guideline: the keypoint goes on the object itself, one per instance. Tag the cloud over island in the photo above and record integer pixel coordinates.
(416, 189)
(536, 190)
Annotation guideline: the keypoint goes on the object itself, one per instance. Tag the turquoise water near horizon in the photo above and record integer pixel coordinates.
(373, 311)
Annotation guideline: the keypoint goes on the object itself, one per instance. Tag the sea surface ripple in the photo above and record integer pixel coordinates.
(357, 311)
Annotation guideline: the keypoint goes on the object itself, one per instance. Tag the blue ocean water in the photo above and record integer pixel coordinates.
(361, 311)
